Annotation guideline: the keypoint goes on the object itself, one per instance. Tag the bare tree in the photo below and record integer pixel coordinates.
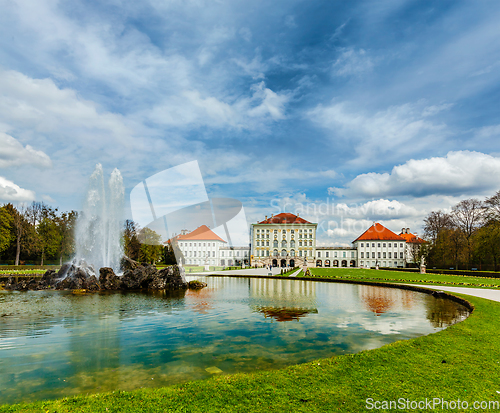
(492, 207)
(434, 223)
(468, 215)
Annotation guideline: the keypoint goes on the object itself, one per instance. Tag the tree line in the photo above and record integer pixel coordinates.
(465, 238)
(38, 233)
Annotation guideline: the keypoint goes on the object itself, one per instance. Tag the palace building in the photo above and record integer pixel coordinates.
(287, 240)
(204, 247)
(283, 240)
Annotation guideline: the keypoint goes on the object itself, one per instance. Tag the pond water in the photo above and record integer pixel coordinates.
(55, 344)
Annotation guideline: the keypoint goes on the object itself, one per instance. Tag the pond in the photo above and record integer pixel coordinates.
(55, 344)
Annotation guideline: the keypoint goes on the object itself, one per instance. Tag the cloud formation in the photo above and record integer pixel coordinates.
(10, 192)
(13, 153)
(458, 173)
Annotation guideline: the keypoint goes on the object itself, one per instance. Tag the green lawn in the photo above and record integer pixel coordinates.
(461, 362)
(362, 274)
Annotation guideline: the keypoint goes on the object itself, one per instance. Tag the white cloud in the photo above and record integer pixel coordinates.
(13, 153)
(39, 106)
(10, 192)
(461, 172)
(396, 131)
(352, 62)
(269, 102)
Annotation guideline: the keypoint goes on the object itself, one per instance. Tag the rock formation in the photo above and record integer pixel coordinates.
(135, 276)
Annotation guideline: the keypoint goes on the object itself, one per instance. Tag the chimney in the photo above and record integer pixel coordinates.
(266, 217)
(402, 230)
(408, 231)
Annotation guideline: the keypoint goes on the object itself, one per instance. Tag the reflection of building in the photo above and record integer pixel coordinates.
(284, 240)
(380, 300)
(288, 240)
(204, 247)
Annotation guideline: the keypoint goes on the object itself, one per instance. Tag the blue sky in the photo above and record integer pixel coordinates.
(376, 110)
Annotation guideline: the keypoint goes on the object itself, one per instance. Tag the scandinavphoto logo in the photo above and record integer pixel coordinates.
(175, 201)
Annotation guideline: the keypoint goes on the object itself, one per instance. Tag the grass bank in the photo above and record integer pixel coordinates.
(363, 274)
(461, 362)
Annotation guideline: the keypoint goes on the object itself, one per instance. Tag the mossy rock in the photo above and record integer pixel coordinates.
(79, 292)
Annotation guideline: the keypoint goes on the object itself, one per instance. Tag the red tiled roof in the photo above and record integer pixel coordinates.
(285, 218)
(201, 233)
(378, 232)
(412, 238)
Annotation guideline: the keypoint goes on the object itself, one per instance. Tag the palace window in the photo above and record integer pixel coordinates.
(300, 243)
(389, 245)
(283, 244)
(292, 253)
(283, 253)
(275, 244)
(373, 255)
(343, 254)
(292, 244)
(319, 254)
(383, 255)
(383, 245)
(327, 254)
(373, 245)
(362, 245)
(362, 255)
(378, 245)
(275, 253)
(401, 255)
(390, 255)
(378, 255)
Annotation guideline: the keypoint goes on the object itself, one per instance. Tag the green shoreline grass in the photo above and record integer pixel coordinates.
(362, 274)
(460, 362)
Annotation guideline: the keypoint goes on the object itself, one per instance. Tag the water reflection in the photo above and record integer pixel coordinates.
(55, 344)
(285, 313)
(442, 312)
(380, 300)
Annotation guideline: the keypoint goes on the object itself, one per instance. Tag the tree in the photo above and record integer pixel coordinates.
(66, 224)
(492, 207)
(131, 244)
(19, 228)
(434, 223)
(468, 216)
(6, 223)
(151, 247)
(487, 242)
(49, 238)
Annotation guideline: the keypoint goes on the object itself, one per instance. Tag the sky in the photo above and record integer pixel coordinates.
(346, 112)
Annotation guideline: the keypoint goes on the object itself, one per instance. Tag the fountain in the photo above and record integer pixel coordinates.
(99, 263)
(98, 229)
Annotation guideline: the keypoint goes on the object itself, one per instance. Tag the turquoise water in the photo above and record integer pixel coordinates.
(56, 344)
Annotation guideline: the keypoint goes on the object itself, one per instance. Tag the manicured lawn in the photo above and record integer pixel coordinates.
(362, 274)
(461, 362)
